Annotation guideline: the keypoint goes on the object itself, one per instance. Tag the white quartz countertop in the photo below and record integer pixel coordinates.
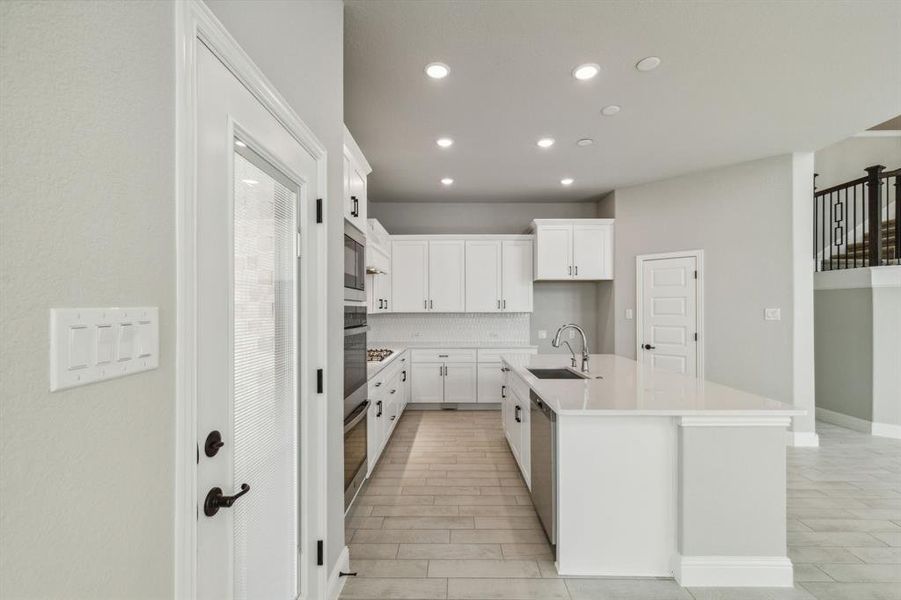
(619, 386)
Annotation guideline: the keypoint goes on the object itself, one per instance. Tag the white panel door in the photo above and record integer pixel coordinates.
(483, 276)
(428, 382)
(592, 256)
(460, 382)
(255, 183)
(517, 276)
(409, 276)
(447, 267)
(554, 252)
(491, 380)
(669, 314)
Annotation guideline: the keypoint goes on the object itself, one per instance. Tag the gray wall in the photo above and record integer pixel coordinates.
(556, 303)
(844, 351)
(887, 355)
(427, 218)
(741, 216)
(300, 48)
(88, 219)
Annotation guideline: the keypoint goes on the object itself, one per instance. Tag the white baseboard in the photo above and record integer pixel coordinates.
(733, 571)
(335, 581)
(843, 420)
(803, 439)
(887, 430)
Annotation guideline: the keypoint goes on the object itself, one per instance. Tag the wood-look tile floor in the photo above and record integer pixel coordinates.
(447, 516)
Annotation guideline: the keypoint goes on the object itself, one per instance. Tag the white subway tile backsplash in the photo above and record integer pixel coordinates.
(470, 328)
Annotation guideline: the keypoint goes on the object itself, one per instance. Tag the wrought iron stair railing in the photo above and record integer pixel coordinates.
(858, 223)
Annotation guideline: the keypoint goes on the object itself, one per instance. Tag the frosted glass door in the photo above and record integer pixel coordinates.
(265, 379)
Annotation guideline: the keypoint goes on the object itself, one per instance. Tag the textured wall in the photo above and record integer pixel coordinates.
(88, 219)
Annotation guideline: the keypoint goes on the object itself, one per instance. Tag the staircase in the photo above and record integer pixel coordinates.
(858, 223)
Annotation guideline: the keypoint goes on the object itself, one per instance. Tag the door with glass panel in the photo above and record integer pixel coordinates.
(254, 182)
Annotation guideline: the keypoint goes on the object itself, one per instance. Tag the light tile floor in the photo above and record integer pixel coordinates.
(446, 516)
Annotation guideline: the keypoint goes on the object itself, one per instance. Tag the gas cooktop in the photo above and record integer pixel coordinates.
(378, 354)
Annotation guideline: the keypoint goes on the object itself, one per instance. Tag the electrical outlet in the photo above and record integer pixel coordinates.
(542, 334)
(772, 314)
(629, 314)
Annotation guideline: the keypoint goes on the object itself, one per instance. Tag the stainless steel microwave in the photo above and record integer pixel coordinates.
(354, 263)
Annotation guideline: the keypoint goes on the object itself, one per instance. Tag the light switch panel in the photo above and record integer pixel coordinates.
(772, 314)
(94, 344)
(629, 314)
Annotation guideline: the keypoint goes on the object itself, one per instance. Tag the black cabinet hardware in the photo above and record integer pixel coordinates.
(381, 302)
(503, 391)
(505, 305)
(516, 414)
(355, 211)
(648, 347)
(320, 384)
(379, 405)
(320, 554)
(319, 210)
(213, 443)
(215, 500)
(404, 373)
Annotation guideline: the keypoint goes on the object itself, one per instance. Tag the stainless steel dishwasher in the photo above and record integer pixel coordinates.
(543, 447)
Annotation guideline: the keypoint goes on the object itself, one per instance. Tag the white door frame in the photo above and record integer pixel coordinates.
(698, 255)
(195, 24)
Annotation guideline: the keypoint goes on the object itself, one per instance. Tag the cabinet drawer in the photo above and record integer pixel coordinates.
(518, 385)
(459, 355)
(493, 355)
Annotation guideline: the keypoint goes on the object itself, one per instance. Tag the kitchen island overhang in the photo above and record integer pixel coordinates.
(662, 475)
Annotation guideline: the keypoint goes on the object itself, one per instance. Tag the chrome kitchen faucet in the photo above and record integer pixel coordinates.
(556, 344)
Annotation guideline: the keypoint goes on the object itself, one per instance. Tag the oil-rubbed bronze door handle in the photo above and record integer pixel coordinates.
(215, 500)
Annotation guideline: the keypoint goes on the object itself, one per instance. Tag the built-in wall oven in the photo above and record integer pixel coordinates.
(355, 401)
(354, 263)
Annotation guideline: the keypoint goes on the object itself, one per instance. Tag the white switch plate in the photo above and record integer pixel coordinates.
(772, 314)
(629, 314)
(542, 334)
(94, 344)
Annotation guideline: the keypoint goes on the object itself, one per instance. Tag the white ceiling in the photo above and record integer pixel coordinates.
(739, 81)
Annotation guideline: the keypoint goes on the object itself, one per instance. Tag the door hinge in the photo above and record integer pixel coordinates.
(319, 375)
(319, 210)
(320, 559)
(696, 274)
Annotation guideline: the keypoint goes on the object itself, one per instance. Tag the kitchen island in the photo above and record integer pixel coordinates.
(637, 471)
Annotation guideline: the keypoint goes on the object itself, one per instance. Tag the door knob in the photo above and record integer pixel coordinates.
(648, 347)
(215, 500)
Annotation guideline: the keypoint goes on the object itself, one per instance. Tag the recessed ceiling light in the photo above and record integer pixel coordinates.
(585, 142)
(545, 142)
(250, 181)
(445, 142)
(567, 181)
(648, 64)
(437, 70)
(609, 111)
(240, 144)
(586, 71)
(447, 181)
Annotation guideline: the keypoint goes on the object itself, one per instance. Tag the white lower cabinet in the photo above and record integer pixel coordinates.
(491, 383)
(428, 382)
(387, 400)
(517, 423)
(460, 382)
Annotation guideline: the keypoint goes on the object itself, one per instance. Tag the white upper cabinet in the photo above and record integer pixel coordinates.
(517, 276)
(580, 249)
(484, 265)
(447, 269)
(410, 275)
(356, 170)
(499, 276)
(554, 251)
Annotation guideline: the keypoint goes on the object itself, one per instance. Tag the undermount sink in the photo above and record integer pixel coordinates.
(555, 374)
